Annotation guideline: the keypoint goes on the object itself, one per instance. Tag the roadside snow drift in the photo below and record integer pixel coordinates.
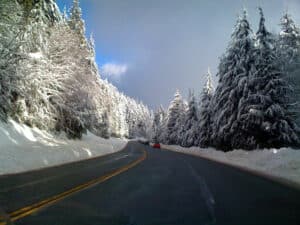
(23, 148)
(282, 163)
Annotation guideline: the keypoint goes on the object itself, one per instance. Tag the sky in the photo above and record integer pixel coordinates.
(149, 49)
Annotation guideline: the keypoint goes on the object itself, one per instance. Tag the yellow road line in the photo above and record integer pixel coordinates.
(25, 211)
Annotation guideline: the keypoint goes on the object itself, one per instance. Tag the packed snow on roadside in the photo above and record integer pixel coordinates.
(281, 163)
(23, 148)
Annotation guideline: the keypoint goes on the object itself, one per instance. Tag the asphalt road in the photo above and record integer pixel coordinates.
(166, 188)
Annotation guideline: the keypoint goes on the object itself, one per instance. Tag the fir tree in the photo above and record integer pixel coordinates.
(190, 125)
(266, 112)
(205, 129)
(180, 125)
(174, 117)
(11, 26)
(159, 125)
(76, 22)
(289, 57)
(289, 39)
(233, 74)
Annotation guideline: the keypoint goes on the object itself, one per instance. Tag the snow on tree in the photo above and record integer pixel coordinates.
(29, 24)
(159, 126)
(205, 120)
(181, 122)
(265, 114)
(289, 57)
(38, 16)
(190, 125)
(76, 22)
(233, 73)
(49, 78)
(139, 119)
(11, 25)
(289, 38)
(155, 126)
(174, 119)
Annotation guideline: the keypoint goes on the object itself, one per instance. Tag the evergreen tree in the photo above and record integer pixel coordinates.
(174, 117)
(159, 125)
(233, 74)
(180, 127)
(289, 39)
(49, 78)
(76, 22)
(155, 126)
(289, 52)
(205, 129)
(190, 125)
(11, 26)
(266, 117)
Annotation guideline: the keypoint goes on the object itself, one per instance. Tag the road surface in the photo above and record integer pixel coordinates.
(145, 186)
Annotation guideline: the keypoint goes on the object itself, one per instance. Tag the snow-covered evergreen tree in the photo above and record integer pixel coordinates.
(191, 123)
(289, 39)
(266, 118)
(11, 25)
(289, 53)
(159, 126)
(233, 74)
(156, 126)
(49, 78)
(76, 22)
(29, 23)
(205, 128)
(174, 119)
(181, 122)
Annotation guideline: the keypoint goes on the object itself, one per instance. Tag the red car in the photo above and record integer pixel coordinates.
(156, 145)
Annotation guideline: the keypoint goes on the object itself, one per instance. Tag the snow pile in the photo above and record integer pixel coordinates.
(23, 148)
(281, 163)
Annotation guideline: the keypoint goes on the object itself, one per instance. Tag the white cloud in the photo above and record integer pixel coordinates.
(114, 70)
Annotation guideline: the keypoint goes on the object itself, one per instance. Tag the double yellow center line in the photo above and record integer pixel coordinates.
(28, 210)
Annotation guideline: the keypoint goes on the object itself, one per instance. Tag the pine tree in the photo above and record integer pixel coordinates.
(159, 126)
(289, 57)
(76, 22)
(289, 39)
(155, 126)
(11, 26)
(38, 16)
(190, 125)
(233, 73)
(205, 129)
(266, 112)
(174, 117)
(49, 78)
(180, 125)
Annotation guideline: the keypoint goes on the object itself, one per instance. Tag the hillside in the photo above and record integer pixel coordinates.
(49, 77)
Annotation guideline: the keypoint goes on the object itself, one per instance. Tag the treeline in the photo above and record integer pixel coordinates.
(49, 78)
(255, 104)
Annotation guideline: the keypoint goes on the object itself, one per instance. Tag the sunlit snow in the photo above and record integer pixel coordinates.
(23, 148)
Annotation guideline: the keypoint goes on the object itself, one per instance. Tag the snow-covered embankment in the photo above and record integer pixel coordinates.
(23, 148)
(282, 164)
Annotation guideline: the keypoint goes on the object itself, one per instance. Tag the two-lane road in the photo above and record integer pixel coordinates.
(164, 187)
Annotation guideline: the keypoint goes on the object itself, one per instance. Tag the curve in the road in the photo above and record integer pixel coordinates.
(28, 210)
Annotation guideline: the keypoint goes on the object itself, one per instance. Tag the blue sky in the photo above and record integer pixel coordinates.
(148, 49)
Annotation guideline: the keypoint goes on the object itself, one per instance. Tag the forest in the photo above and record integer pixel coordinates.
(256, 102)
(49, 79)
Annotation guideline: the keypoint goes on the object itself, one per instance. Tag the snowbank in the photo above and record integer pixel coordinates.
(23, 148)
(281, 163)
